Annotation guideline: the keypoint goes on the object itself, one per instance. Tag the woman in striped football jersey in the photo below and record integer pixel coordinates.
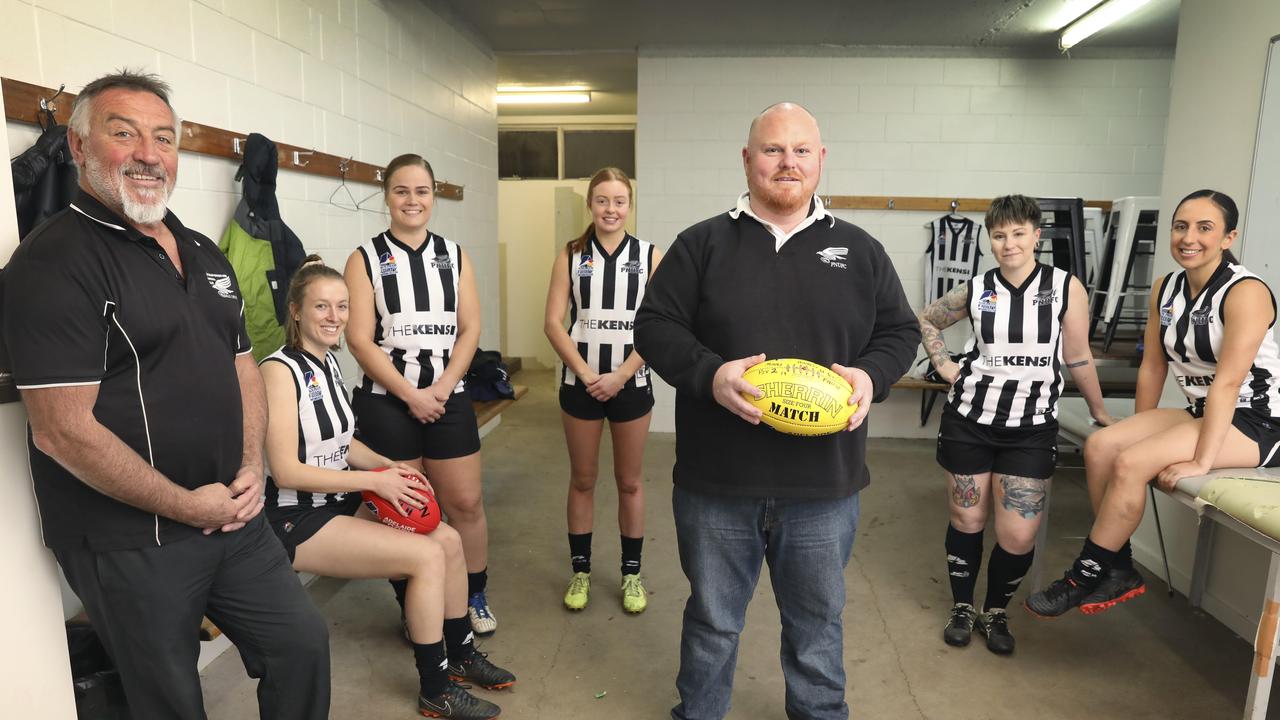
(316, 471)
(997, 440)
(600, 278)
(1210, 323)
(415, 324)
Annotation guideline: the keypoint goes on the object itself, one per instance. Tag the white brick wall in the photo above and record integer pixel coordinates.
(369, 78)
(930, 126)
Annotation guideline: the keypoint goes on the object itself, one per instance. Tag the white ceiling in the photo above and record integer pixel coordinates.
(595, 41)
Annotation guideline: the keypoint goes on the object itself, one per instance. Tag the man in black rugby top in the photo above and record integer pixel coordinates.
(777, 276)
(147, 415)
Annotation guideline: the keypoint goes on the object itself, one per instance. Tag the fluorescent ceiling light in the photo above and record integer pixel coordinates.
(542, 88)
(543, 98)
(1097, 19)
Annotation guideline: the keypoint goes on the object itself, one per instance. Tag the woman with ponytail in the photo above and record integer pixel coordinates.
(600, 278)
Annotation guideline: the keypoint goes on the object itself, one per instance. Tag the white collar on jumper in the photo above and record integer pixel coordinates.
(819, 212)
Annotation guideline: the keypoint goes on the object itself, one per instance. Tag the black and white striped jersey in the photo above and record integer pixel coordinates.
(416, 305)
(1191, 333)
(1011, 372)
(951, 257)
(325, 423)
(605, 290)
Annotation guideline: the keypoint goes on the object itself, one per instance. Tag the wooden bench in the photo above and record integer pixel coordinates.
(1075, 425)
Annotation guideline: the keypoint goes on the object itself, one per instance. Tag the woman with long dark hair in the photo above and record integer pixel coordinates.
(1210, 323)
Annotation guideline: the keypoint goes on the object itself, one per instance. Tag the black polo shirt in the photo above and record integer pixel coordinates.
(90, 300)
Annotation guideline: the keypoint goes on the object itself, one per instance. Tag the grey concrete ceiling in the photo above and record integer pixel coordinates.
(595, 41)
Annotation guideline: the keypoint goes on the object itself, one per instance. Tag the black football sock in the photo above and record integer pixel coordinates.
(1124, 557)
(458, 640)
(580, 552)
(1092, 564)
(477, 581)
(433, 675)
(964, 559)
(1004, 573)
(631, 548)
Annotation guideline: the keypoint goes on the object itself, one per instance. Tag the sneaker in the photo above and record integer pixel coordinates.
(575, 598)
(480, 671)
(482, 620)
(456, 702)
(634, 598)
(1117, 586)
(1059, 597)
(994, 626)
(960, 626)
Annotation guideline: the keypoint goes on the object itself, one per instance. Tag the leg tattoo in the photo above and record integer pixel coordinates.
(965, 491)
(1024, 496)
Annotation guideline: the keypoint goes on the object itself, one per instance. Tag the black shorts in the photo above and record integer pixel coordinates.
(1258, 427)
(966, 447)
(295, 525)
(384, 424)
(631, 403)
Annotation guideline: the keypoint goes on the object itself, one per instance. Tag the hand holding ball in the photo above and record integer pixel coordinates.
(422, 520)
(800, 397)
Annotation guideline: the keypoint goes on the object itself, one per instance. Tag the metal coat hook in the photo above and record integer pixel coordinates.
(297, 157)
(48, 108)
(237, 145)
(954, 204)
(890, 203)
(377, 174)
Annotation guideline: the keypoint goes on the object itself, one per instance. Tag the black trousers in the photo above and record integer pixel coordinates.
(146, 605)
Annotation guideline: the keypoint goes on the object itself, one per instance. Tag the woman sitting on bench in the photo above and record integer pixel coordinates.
(316, 471)
(1211, 323)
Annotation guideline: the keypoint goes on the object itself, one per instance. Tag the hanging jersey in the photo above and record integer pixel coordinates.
(1191, 333)
(325, 423)
(605, 291)
(416, 306)
(951, 257)
(1011, 372)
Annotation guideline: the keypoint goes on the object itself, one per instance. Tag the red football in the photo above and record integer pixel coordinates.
(421, 521)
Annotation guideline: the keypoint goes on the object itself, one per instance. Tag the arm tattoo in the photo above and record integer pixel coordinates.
(1024, 496)
(940, 314)
(1082, 363)
(964, 491)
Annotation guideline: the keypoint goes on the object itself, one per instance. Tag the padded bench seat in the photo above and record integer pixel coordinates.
(1243, 500)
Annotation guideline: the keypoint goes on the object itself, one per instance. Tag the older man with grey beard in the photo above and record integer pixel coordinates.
(147, 415)
(777, 276)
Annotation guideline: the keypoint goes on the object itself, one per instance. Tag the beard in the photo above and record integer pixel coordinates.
(785, 199)
(147, 209)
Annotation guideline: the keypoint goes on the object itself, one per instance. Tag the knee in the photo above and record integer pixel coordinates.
(1019, 542)
(450, 542)
(1128, 471)
(466, 508)
(428, 559)
(307, 637)
(628, 484)
(968, 520)
(582, 482)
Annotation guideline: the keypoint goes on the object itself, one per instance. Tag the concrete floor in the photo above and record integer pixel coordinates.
(1152, 658)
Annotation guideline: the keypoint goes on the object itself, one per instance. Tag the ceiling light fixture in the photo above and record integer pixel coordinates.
(1096, 19)
(543, 98)
(542, 88)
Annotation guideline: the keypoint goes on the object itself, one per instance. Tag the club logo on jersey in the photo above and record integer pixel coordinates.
(987, 301)
(1166, 313)
(221, 284)
(586, 268)
(1045, 297)
(835, 257)
(633, 267)
(312, 382)
(386, 264)
(1201, 316)
(442, 262)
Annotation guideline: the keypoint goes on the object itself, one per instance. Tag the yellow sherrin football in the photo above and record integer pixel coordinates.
(800, 397)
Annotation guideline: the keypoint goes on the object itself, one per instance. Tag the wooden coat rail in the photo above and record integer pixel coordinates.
(929, 204)
(23, 103)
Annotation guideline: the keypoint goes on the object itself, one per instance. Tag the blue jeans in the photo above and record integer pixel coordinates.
(807, 544)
